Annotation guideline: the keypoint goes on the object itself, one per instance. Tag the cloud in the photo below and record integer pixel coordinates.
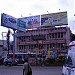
(16, 8)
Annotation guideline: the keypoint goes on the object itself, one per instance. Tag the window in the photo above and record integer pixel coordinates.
(61, 35)
(47, 46)
(52, 35)
(50, 45)
(55, 35)
(58, 35)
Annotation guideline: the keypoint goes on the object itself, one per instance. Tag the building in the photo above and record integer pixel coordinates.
(43, 39)
(4, 47)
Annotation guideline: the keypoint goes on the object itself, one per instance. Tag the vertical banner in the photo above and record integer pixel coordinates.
(48, 52)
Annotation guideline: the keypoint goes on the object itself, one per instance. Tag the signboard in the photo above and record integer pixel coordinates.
(21, 25)
(48, 52)
(8, 21)
(54, 19)
(31, 22)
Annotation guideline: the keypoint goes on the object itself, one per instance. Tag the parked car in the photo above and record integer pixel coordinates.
(10, 61)
(7, 61)
(1, 60)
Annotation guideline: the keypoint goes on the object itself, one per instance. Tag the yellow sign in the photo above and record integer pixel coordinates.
(48, 52)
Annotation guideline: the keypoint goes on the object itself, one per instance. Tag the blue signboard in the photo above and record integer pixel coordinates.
(21, 25)
(8, 21)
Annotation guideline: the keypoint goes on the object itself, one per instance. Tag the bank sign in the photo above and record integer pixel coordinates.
(54, 19)
(8, 21)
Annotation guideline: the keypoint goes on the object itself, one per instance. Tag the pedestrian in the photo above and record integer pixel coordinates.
(27, 68)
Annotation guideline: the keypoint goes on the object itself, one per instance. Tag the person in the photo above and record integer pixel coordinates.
(27, 68)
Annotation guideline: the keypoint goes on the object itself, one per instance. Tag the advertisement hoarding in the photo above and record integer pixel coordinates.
(54, 19)
(8, 21)
(31, 22)
(21, 25)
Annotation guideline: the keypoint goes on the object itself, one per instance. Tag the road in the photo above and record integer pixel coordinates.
(17, 70)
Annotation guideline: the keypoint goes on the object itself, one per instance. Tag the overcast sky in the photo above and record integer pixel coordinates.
(16, 8)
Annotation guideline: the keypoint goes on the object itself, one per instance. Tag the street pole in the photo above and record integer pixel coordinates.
(8, 39)
(14, 44)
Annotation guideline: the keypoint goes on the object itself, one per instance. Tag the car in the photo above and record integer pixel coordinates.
(10, 61)
(7, 61)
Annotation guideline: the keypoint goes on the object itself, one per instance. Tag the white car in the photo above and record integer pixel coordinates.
(7, 61)
(10, 61)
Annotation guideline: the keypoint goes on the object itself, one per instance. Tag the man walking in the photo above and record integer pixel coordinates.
(27, 68)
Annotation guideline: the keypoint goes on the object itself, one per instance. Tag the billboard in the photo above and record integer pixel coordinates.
(21, 25)
(54, 19)
(31, 22)
(8, 21)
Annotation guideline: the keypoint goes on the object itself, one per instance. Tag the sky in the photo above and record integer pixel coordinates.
(25, 8)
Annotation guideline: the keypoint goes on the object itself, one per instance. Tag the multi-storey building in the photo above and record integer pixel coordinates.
(44, 39)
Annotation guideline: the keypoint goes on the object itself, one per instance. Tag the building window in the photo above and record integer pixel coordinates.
(47, 46)
(61, 35)
(50, 45)
(52, 35)
(55, 35)
(58, 45)
(24, 46)
(58, 35)
(47, 36)
(20, 47)
(29, 46)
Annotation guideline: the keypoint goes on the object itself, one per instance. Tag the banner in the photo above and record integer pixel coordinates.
(21, 25)
(31, 22)
(54, 19)
(49, 52)
(8, 21)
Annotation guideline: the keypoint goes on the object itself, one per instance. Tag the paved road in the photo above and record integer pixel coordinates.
(17, 70)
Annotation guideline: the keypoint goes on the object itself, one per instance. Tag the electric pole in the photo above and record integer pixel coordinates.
(8, 38)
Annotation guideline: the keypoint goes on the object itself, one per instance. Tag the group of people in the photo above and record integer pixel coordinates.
(27, 70)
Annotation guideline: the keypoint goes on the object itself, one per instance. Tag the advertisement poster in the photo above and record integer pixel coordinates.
(54, 19)
(8, 21)
(31, 22)
(21, 25)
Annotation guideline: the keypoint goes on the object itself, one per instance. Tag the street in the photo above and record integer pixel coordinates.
(17, 70)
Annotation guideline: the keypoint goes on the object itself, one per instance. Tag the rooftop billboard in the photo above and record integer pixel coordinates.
(8, 21)
(54, 19)
(31, 22)
(21, 25)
